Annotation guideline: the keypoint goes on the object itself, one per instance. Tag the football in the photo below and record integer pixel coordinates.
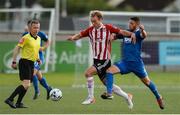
(55, 94)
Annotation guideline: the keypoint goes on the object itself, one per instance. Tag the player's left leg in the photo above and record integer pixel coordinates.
(141, 72)
(154, 90)
(118, 67)
(44, 83)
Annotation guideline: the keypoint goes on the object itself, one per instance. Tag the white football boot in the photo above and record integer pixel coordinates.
(89, 100)
(129, 101)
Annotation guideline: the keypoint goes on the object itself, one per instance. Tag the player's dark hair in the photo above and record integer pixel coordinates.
(136, 19)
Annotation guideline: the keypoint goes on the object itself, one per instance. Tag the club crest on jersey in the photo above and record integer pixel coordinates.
(127, 40)
(21, 41)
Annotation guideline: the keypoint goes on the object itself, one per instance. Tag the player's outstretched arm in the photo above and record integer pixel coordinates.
(15, 53)
(143, 32)
(127, 33)
(112, 37)
(74, 37)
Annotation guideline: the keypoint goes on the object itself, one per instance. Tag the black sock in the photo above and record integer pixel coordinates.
(21, 95)
(16, 91)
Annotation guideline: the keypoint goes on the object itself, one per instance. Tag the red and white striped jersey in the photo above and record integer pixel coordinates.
(100, 40)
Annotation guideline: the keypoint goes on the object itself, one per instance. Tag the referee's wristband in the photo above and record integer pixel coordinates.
(13, 62)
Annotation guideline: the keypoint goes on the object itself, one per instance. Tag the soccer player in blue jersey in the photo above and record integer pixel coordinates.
(37, 73)
(132, 61)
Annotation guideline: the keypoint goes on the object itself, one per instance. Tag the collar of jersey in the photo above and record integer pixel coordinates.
(102, 26)
(137, 30)
(33, 36)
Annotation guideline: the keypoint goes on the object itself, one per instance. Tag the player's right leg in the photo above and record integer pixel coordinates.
(44, 83)
(90, 85)
(35, 81)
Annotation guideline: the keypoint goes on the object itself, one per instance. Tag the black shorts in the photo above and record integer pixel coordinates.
(101, 67)
(26, 69)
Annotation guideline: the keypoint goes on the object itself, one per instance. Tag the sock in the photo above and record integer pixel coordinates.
(118, 91)
(109, 82)
(154, 90)
(44, 83)
(16, 91)
(90, 86)
(35, 84)
(21, 95)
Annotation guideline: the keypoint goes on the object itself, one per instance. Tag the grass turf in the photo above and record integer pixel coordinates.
(144, 102)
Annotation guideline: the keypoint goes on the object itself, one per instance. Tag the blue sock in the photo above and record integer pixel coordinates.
(35, 84)
(109, 82)
(44, 83)
(154, 90)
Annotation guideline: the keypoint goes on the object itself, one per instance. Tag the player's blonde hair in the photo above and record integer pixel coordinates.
(96, 13)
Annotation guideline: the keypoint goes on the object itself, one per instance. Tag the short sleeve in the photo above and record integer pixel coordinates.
(43, 36)
(85, 32)
(21, 42)
(113, 29)
(138, 35)
(24, 34)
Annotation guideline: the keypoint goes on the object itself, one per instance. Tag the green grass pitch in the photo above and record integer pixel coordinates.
(168, 84)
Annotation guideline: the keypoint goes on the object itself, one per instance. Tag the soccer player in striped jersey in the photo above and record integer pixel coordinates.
(100, 38)
(37, 76)
(132, 61)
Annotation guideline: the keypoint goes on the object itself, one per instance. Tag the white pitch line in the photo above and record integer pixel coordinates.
(128, 86)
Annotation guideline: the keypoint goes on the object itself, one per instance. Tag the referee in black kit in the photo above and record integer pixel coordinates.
(29, 46)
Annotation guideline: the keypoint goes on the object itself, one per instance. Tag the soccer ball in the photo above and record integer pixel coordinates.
(55, 94)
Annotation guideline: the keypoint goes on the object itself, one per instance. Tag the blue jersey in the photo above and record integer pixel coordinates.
(44, 38)
(131, 52)
(132, 61)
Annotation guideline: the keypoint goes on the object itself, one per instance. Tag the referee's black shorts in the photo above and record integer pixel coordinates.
(26, 69)
(101, 67)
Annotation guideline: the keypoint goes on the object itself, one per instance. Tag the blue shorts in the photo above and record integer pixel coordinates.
(132, 66)
(41, 57)
(36, 66)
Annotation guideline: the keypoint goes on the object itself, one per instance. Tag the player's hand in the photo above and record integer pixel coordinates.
(133, 38)
(14, 65)
(141, 27)
(70, 38)
(41, 49)
(39, 61)
(112, 37)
